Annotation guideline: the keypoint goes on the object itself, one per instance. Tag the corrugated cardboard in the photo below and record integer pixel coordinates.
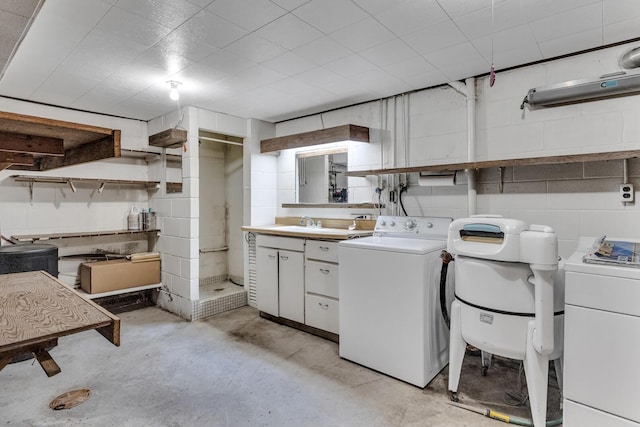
(104, 276)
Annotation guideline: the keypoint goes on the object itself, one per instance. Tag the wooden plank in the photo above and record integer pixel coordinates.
(4, 166)
(66, 179)
(170, 138)
(529, 161)
(47, 363)
(104, 148)
(16, 158)
(316, 137)
(31, 144)
(53, 236)
(40, 126)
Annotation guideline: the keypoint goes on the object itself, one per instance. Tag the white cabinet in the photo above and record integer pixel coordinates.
(321, 285)
(280, 276)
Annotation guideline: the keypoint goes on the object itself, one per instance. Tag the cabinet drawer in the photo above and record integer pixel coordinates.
(290, 243)
(321, 278)
(617, 294)
(323, 251)
(322, 313)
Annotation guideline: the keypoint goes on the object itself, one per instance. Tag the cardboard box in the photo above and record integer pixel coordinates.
(104, 276)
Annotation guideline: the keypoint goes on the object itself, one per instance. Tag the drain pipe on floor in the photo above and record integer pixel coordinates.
(468, 89)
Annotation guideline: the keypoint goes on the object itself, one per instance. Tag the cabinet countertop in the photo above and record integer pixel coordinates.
(307, 232)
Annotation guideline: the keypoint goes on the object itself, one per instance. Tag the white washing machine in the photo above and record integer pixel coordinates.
(601, 342)
(390, 317)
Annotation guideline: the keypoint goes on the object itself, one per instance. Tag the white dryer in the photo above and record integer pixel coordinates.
(390, 318)
(602, 342)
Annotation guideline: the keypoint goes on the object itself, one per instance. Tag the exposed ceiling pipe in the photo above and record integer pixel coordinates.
(468, 90)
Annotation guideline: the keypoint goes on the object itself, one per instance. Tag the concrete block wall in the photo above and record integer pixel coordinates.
(179, 213)
(429, 127)
(55, 208)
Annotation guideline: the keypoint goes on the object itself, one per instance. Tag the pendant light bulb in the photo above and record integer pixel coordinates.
(173, 93)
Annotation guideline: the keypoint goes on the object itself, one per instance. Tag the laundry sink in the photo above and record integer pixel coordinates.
(311, 230)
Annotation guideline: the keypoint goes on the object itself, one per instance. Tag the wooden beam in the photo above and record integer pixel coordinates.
(170, 138)
(103, 148)
(32, 125)
(316, 137)
(3, 166)
(20, 143)
(47, 363)
(16, 158)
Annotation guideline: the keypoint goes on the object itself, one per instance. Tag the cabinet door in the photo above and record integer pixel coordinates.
(291, 276)
(267, 280)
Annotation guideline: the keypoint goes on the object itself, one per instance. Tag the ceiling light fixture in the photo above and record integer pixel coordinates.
(173, 93)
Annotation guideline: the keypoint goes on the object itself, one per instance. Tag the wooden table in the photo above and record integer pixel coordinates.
(36, 309)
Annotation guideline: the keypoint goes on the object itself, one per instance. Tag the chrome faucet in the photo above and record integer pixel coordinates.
(307, 221)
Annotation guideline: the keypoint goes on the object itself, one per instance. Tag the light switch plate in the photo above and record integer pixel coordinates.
(626, 193)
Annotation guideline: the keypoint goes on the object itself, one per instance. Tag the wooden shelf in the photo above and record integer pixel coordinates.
(66, 180)
(54, 236)
(170, 138)
(117, 292)
(36, 143)
(322, 136)
(570, 158)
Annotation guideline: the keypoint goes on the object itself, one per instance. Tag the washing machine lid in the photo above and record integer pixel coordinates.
(395, 244)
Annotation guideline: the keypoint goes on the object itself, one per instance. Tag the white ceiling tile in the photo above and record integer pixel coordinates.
(620, 10)
(227, 62)
(571, 43)
(350, 65)
(290, 4)
(200, 75)
(435, 37)
(363, 35)
(132, 27)
(567, 23)
(255, 48)
(11, 27)
(23, 83)
(463, 7)
(23, 8)
(374, 6)
(289, 64)
(424, 80)
(318, 76)
(158, 58)
(209, 28)
(388, 53)
(506, 14)
(63, 87)
(330, 15)
(188, 43)
(411, 15)
(168, 13)
(448, 60)
(409, 67)
(511, 40)
(200, 3)
(289, 32)
(322, 51)
(248, 14)
(254, 77)
(623, 30)
(538, 9)
(80, 12)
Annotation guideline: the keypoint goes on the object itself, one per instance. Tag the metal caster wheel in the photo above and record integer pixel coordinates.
(484, 371)
(454, 396)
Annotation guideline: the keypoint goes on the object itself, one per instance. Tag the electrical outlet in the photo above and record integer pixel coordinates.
(626, 193)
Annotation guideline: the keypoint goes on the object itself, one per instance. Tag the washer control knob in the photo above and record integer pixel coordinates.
(410, 224)
(392, 223)
(383, 222)
(429, 225)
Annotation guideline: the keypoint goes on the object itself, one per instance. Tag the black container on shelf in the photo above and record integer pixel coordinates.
(29, 257)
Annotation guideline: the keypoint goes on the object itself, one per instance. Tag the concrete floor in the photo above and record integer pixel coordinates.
(236, 369)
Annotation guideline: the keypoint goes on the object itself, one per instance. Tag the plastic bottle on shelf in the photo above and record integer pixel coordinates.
(133, 219)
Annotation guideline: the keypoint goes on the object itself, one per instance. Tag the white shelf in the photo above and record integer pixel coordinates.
(118, 292)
